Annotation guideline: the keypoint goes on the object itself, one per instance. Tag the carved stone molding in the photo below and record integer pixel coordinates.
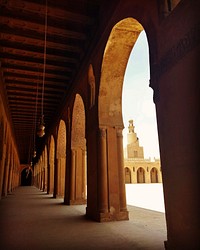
(186, 44)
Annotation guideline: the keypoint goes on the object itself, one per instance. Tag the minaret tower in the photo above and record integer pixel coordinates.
(133, 148)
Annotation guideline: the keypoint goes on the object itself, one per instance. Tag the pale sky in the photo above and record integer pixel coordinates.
(137, 99)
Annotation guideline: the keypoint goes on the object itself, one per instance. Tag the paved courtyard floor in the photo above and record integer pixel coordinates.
(30, 219)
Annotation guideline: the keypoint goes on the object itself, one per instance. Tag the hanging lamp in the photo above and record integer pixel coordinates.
(41, 126)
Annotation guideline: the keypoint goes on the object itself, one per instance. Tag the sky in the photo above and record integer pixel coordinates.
(137, 99)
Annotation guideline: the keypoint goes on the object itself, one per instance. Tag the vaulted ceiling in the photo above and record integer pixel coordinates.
(71, 25)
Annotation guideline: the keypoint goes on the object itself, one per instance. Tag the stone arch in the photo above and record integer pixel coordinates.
(111, 161)
(45, 169)
(140, 175)
(154, 175)
(119, 46)
(42, 171)
(78, 149)
(51, 164)
(61, 160)
(127, 175)
(91, 82)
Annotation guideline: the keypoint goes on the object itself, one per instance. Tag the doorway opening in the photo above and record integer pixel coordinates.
(26, 177)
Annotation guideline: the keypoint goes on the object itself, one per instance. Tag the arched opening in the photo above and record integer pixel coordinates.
(45, 169)
(140, 175)
(137, 104)
(111, 171)
(26, 177)
(154, 175)
(51, 165)
(120, 43)
(61, 160)
(127, 175)
(78, 149)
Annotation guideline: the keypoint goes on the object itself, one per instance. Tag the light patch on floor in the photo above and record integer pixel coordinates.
(149, 196)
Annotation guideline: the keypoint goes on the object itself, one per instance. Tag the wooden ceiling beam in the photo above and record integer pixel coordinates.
(34, 73)
(19, 52)
(70, 40)
(36, 70)
(38, 49)
(34, 82)
(40, 43)
(33, 77)
(30, 101)
(56, 11)
(33, 87)
(6, 55)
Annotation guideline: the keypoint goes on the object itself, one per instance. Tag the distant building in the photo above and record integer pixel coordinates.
(137, 169)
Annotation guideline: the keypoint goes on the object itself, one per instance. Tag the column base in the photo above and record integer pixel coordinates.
(58, 196)
(107, 216)
(78, 202)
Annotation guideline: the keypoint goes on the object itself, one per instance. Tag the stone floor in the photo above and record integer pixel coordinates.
(31, 219)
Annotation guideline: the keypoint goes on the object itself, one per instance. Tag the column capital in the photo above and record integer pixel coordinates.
(102, 132)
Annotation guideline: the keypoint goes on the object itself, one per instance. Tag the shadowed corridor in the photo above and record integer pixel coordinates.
(31, 219)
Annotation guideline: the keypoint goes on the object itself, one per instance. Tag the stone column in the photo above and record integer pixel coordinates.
(58, 181)
(102, 172)
(73, 166)
(6, 173)
(41, 176)
(159, 176)
(10, 176)
(55, 191)
(44, 179)
(148, 175)
(62, 176)
(2, 169)
(48, 179)
(122, 192)
(84, 174)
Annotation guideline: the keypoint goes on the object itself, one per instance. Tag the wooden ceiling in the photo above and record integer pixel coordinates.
(71, 24)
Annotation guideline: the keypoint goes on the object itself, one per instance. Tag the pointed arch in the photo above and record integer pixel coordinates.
(119, 46)
(127, 175)
(51, 164)
(45, 169)
(60, 160)
(140, 175)
(78, 149)
(111, 160)
(154, 175)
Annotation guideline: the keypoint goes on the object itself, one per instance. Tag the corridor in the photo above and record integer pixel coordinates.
(31, 219)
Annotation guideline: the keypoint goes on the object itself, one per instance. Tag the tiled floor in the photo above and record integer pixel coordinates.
(31, 219)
